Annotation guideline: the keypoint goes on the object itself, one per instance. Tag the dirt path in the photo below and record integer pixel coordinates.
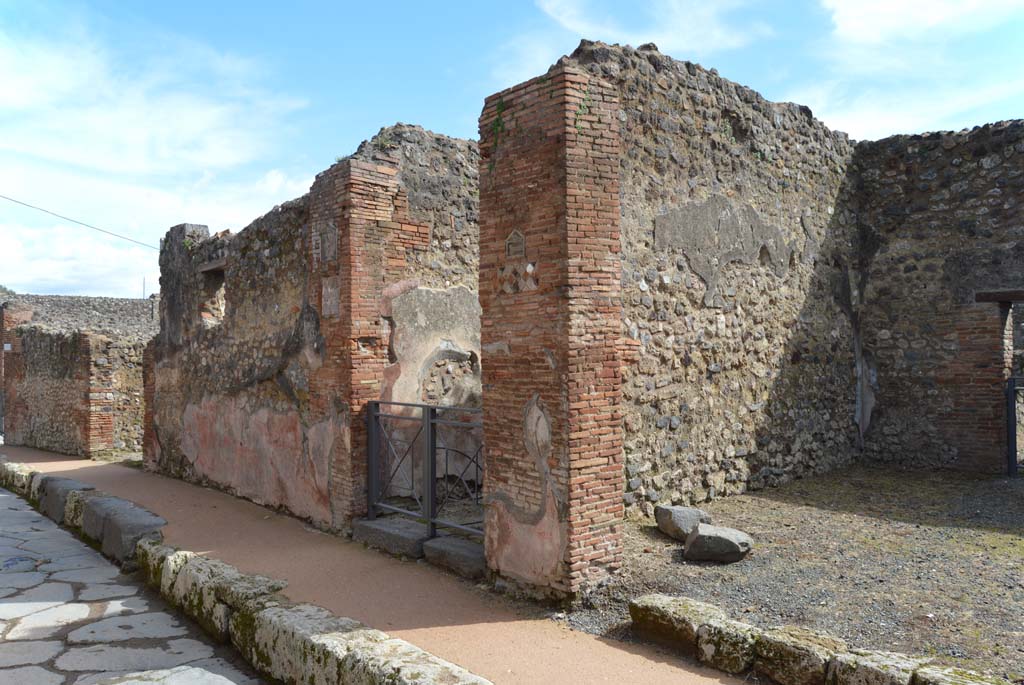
(414, 601)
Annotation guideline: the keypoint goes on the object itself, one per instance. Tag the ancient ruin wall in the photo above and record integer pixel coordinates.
(735, 241)
(273, 339)
(47, 389)
(942, 220)
(72, 376)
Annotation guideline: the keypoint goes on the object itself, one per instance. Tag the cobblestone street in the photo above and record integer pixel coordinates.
(68, 617)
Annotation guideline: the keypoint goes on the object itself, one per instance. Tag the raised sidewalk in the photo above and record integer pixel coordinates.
(442, 614)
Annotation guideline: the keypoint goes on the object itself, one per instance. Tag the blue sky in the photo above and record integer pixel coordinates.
(138, 116)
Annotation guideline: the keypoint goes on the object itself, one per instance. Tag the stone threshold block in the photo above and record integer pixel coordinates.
(459, 555)
(394, 534)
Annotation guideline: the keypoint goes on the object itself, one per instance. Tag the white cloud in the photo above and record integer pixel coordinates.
(682, 27)
(911, 66)
(59, 259)
(872, 113)
(878, 21)
(73, 102)
(177, 132)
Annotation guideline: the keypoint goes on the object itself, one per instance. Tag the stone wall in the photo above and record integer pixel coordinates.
(942, 219)
(273, 339)
(47, 390)
(72, 379)
(735, 248)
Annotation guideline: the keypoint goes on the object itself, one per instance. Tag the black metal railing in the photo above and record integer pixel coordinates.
(1014, 384)
(426, 462)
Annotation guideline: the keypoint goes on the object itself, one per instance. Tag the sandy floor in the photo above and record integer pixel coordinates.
(410, 600)
(920, 562)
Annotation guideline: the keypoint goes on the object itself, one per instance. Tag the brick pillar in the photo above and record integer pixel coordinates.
(11, 369)
(550, 295)
(150, 445)
(96, 374)
(975, 379)
(359, 236)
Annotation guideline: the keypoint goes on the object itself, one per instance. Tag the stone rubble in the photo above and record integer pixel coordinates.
(678, 522)
(717, 543)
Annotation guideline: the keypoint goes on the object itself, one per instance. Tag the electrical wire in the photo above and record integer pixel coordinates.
(80, 223)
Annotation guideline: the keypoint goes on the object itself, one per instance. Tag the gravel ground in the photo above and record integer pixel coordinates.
(920, 562)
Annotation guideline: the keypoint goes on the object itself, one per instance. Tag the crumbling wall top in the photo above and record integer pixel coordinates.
(121, 318)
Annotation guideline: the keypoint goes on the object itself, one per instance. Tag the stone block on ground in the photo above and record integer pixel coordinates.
(865, 667)
(118, 525)
(36, 484)
(54, 493)
(717, 543)
(672, 621)
(16, 477)
(194, 593)
(150, 556)
(393, 534)
(307, 644)
(678, 522)
(74, 506)
(947, 675)
(457, 554)
(727, 645)
(796, 656)
(208, 590)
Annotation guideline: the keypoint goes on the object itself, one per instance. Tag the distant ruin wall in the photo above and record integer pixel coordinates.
(942, 220)
(735, 246)
(47, 389)
(273, 339)
(72, 380)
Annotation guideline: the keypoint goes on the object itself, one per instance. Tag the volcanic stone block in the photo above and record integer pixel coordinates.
(727, 645)
(673, 621)
(715, 543)
(118, 525)
(679, 522)
(863, 667)
(795, 656)
(457, 554)
(394, 534)
(53, 496)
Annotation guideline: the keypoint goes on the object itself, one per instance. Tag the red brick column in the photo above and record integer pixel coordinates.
(550, 294)
(150, 445)
(359, 235)
(975, 379)
(95, 374)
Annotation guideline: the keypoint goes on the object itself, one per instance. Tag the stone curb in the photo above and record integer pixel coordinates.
(293, 643)
(788, 655)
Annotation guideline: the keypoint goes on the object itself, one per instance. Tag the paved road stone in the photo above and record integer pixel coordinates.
(68, 617)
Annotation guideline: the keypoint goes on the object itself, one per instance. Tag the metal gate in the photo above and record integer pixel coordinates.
(426, 462)
(1014, 385)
